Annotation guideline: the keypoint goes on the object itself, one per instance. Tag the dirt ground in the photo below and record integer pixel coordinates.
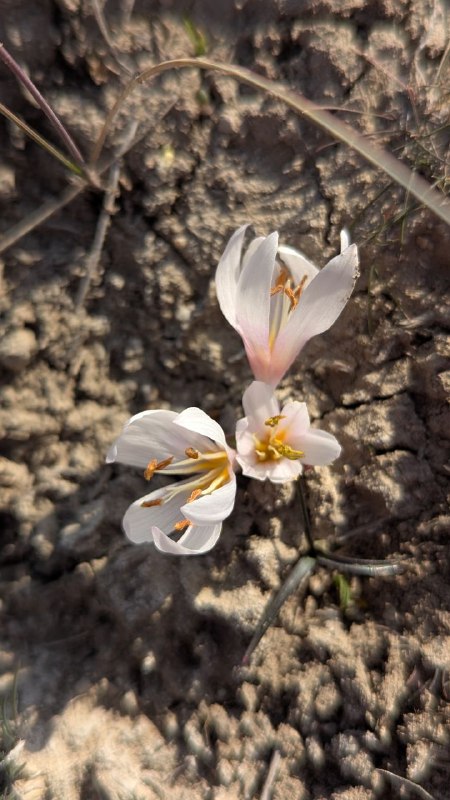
(129, 685)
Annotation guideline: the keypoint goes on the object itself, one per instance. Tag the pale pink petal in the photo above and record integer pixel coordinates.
(253, 299)
(298, 264)
(245, 441)
(213, 507)
(196, 540)
(147, 435)
(320, 448)
(319, 306)
(194, 419)
(259, 404)
(138, 521)
(276, 471)
(227, 275)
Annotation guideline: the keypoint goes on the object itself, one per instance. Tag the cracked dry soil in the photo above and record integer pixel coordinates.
(128, 684)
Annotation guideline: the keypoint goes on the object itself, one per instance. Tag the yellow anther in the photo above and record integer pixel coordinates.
(291, 295)
(299, 289)
(287, 451)
(194, 494)
(154, 466)
(272, 422)
(191, 453)
(150, 469)
(180, 526)
(151, 503)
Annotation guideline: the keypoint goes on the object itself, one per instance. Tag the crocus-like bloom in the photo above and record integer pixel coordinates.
(273, 443)
(190, 444)
(277, 300)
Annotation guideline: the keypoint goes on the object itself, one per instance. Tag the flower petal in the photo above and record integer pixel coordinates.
(319, 306)
(213, 507)
(280, 471)
(253, 299)
(138, 521)
(345, 239)
(320, 447)
(296, 420)
(254, 244)
(147, 435)
(227, 275)
(298, 264)
(259, 404)
(194, 419)
(196, 540)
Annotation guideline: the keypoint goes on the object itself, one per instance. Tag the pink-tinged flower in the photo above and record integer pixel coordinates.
(275, 444)
(277, 300)
(189, 444)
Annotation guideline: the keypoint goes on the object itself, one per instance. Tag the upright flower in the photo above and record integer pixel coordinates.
(275, 444)
(189, 444)
(277, 300)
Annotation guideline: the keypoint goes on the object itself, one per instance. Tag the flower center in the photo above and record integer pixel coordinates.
(210, 470)
(273, 446)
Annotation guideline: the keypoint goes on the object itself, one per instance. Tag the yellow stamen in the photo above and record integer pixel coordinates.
(194, 494)
(287, 451)
(180, 526)
(272, 422)
(284, 286)
(290, 294)
(191, 453)
(151, 503)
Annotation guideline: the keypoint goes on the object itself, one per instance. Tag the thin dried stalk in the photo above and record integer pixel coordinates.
(23, 78)
(380, 158)
(40, 140)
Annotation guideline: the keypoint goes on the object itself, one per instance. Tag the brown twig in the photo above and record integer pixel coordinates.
(103, 224)
(39, 216)
(28, 84)
(104, 219)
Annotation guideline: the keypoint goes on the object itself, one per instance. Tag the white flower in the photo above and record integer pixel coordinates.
(190, 444)
(277, 300)
(273, 443)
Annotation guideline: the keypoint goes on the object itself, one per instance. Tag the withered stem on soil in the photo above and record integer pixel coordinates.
(28, 84)
(271, 775)
(47, 210)
(414, 788)
(104, 219)
(340, 130)
(44, 143)
(359, 566)
(104, 30)
(305, 512)
(296, 579)
(100, 233)
(39, 216)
